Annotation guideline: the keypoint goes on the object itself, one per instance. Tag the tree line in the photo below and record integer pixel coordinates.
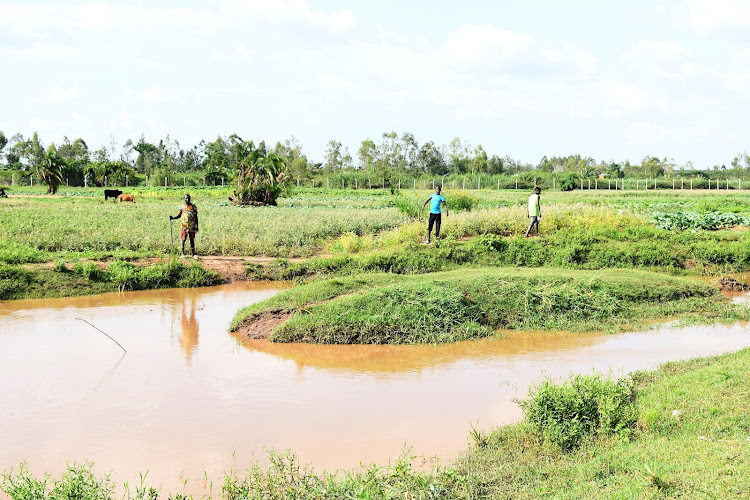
(225, 158)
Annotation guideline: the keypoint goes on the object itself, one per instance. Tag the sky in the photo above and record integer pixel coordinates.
(611, 80)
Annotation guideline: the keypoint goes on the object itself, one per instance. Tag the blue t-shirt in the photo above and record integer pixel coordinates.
(435, 204)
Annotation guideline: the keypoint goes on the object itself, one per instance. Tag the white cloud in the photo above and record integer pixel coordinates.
(153, 94)
(58, 94)
(623, 98)
(126, 120)
(717, 15)
(41, 125)
(646, 133)
(484, 44)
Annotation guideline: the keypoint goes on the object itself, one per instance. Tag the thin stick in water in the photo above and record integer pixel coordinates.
(113, 340)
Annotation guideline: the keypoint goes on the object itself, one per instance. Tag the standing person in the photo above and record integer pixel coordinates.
(189, 214)
(435, 200)
(534, 211)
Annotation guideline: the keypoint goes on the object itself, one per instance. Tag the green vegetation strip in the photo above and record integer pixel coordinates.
(20, 282)
(473, 303)
(680, 431)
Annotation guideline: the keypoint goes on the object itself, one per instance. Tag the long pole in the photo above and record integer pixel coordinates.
(113, 340)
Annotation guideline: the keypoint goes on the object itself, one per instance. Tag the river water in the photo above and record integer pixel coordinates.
(190, 399)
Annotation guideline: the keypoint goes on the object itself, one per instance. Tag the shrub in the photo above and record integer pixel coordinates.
(59, 266)
(582, 407)
(493, 242)
(569, 182)
(88, 270)
(459, 201)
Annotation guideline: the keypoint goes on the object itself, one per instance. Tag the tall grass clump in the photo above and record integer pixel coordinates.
(77, 482)
(584, 406)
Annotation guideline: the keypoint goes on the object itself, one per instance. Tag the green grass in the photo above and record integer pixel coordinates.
(701, 452)
(89, 225)
(86, 278)
(472, 303)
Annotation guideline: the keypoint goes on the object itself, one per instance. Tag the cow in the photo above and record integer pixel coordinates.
(126, 197)
(111, 193)
(2, 193)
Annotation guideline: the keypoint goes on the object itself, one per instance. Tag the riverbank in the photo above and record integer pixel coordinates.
(64, 279)
(689, 437)
(387, 308)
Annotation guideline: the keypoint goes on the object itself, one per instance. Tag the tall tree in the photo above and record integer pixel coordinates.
(259, 176)
(367, 154)
(51, 170)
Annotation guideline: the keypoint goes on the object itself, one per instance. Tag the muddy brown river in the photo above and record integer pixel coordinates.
(188, 398)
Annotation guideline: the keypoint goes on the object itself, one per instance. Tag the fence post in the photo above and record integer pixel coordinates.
(454, 183)
(328, 183)
(609, 183)
(739, 184)
(709, 184)
(596, 183)
(342, 183)
(691, 183)
(479, 182)
(184, 182)
(105, 181)
(383, 182)
(553, 183)
(31, 180)
(516, 182)
(355, 183)
(673, 183)
(498, 182)
(399, 183)
(415, 183)
(165, 181)
(581, 184)
(13, 179)
(637, 184)
(589, 183)
(727, 182)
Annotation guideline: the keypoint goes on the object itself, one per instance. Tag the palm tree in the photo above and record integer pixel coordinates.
(259, 177)
(51, 171)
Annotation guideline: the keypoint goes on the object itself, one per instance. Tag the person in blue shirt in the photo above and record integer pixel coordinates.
(435, 200)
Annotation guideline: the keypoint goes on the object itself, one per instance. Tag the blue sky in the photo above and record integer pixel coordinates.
(618, 80)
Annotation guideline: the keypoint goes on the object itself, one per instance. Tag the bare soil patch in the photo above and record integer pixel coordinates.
(729, 284)
(260, 327)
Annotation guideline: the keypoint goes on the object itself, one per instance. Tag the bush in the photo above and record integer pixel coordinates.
(492, 242)
(459, 201)
(569, 182)
(59, 266)
(87, 270)
(582, 407)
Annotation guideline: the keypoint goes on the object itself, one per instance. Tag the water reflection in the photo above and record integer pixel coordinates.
(189, 328)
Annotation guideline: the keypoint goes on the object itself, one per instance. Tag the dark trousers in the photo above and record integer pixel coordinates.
(434, 219)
